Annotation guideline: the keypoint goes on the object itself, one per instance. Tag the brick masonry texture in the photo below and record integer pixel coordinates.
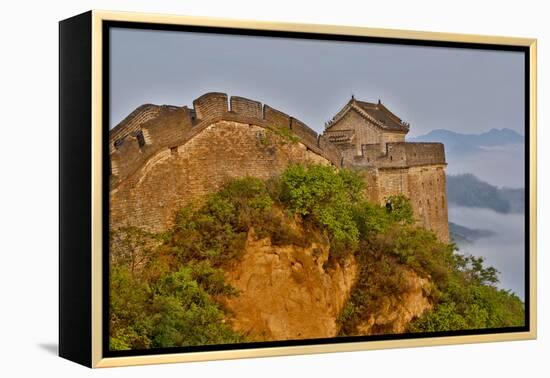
(174, 177)
(166, 157)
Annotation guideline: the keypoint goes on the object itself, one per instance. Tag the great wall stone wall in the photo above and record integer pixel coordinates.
(416, 170)
(164, 157)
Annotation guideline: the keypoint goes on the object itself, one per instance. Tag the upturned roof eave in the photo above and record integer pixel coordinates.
(351, 105)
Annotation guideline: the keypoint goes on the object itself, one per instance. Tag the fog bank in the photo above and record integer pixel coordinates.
(504, 250)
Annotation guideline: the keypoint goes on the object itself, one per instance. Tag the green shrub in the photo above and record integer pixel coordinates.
(467, 305)
(131, 246)
(399, 209)
(475, 301)
(184, 314)
(174, 310)
(129, 325)
(217, 230)
(371, 219)
(379, 276)
(420, 250)
(326, 197)
(305, 189)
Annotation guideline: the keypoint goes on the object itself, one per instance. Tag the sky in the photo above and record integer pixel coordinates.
(463, 90)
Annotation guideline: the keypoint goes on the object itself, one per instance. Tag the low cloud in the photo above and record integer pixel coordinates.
(505, 250)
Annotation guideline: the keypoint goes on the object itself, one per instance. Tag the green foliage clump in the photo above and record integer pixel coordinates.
(420, 250)
(399, 209)
(217, 231)
(326, 197)
(131, 246)
(373, 220)
(286, 133)
(389, 244)
(176, 309)
(469, 299)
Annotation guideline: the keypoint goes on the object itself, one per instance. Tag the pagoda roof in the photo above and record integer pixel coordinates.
(377, 113)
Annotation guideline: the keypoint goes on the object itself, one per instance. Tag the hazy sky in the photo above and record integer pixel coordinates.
(464, 90)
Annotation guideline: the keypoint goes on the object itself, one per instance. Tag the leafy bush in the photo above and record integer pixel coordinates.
(217, 230)
(470, 300)
(372, 219)
(472, 306)
(326, 197)
(174, 310)
(306, 189)
(399, 209)
(131, 246)
(169, 301)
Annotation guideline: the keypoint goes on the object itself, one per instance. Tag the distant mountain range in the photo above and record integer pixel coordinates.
(469, 191)
(465, 235)
(457, 142)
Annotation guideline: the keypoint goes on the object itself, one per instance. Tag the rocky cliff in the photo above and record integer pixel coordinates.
(292, 292)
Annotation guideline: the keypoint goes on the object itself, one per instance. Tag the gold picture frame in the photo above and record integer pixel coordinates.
(82, 81)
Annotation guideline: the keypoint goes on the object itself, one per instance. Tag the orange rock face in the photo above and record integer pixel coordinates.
(394, 313)
(286, 293)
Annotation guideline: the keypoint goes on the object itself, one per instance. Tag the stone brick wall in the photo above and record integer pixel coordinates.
(174, 177)
(415, 154)
(169, 156)
(416, 170)
(276, 118)
(388, 137)
(303, 131)
(246, 107)
(331, 152)
(133, 122)
(426, 190)
(401, 155)
(173, 126)
(423, 185)
(169, 128)
(210, 105)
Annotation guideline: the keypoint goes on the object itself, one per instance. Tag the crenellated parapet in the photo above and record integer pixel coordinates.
(400, 155)
(151, 129)
(210, 105)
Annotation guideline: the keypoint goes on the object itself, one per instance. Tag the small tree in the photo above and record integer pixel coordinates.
(399, 208)
(131, 246)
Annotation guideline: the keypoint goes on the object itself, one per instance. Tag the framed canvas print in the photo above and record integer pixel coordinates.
(235, 189)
